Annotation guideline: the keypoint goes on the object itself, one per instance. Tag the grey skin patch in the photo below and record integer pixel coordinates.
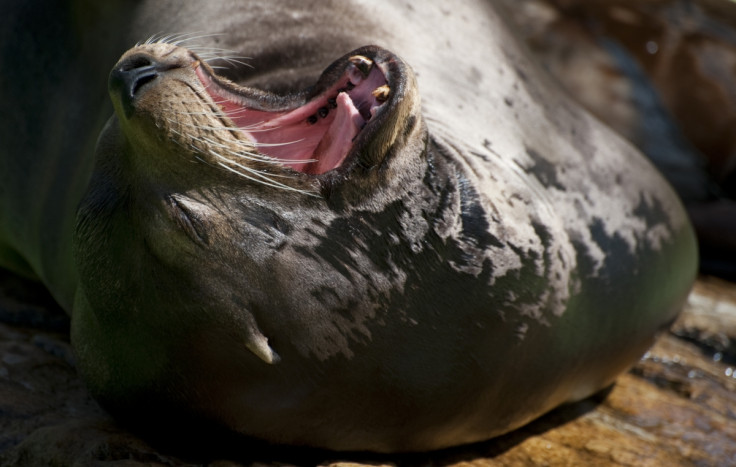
(475, 76)
(543, 170)
(657, 220)
(625, 258)
(475, 231)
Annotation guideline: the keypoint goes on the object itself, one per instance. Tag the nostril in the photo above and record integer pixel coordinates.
(136, 61)
(142, 80)
(130, 75)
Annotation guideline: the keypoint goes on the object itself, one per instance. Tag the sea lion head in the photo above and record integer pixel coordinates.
(199, 189)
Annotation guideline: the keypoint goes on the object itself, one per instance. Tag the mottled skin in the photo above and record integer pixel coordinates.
(477, 263)
(635, 64)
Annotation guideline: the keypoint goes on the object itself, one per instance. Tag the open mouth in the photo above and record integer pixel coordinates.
(315, 137)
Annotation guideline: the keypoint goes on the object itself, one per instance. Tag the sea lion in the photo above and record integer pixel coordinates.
(424, 245)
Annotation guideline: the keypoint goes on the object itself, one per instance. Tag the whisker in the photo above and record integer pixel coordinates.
(204, 112)
(184, 38)
(253, 175)
(231, 61)
(272, 145)
(247, 154)
(263, 158)
(235, 113)
(216, 114)
(266, 181)
(165, 39)
(207, 49)
(206, 53)
(250, 174)
(252, 128)
(152, 39)
(249, 129)
(202, 127)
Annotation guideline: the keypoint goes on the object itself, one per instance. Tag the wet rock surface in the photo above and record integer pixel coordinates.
(677, 406)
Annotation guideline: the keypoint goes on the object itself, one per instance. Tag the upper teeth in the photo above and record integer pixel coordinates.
(381, 93)
(360, 69)
(363, 64)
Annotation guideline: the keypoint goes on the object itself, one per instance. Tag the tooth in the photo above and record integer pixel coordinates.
(364, 64)
(381, 93)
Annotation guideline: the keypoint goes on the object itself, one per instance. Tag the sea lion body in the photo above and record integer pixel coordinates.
(485, 252)
(612, 58)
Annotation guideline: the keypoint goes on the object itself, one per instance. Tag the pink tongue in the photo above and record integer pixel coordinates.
(345, 126)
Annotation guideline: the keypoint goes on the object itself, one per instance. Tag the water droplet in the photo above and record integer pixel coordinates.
(717, 356)
(692, 374)
(652, 47)
(729, 371)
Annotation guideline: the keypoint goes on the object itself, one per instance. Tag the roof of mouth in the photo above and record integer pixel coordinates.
(317, 136)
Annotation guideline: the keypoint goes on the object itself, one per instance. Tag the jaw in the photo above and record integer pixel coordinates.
(316, 135)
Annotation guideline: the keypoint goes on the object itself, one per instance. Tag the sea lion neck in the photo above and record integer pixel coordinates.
(173, 107)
